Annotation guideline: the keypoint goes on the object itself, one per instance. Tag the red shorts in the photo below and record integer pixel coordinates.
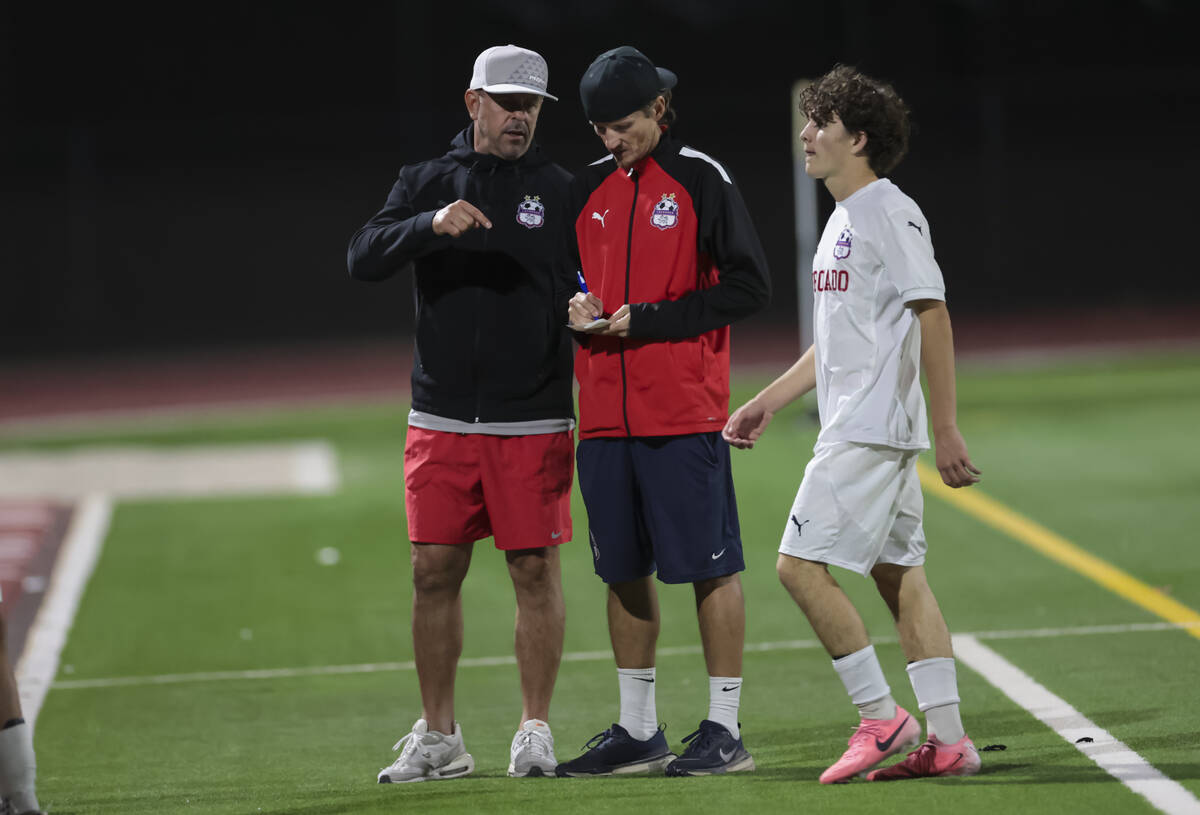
(459, 488)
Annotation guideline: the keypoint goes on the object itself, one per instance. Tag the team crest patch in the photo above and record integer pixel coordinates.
(841, 249)
(531, 213)
(666, 212)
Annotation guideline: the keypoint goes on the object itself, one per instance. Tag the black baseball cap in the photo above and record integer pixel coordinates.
(621, 81)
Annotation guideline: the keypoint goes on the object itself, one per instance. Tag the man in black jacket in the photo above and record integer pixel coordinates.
(491, 430)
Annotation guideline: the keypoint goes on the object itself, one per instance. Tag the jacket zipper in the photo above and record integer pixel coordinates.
(628, 259)
(476, 363)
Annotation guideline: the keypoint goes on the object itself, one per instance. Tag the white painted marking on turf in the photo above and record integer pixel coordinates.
(576, 656)
(1111, 755)
(77, 557)
(168, 418)
(96, 477)
(148, 472)
(314, 468)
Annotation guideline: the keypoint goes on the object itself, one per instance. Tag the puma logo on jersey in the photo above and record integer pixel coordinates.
(799, 525)
(596, 216)
(914, 226)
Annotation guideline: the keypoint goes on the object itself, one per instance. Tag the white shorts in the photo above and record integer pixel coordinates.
(858, 505)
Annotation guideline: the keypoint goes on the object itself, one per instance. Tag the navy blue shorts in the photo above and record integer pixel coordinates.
(661, 502)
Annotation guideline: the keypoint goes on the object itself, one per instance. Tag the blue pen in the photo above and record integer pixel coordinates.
(583, 287)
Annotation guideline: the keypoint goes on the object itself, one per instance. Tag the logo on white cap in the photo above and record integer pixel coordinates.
(511, 69)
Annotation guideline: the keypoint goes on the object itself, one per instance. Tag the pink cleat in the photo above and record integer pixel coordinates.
(932, 759)
(872, 742)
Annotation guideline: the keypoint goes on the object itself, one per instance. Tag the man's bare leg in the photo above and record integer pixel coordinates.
(538, 637)
(721, 611)
(919, 622)
(833, 618)
(437, 626)
(633, 622)
(925, 638)
(633, 625)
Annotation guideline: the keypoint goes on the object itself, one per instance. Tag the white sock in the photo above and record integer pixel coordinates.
(18, 767)
(639, 715)
(935, 684)
(863, 677)
(724, 696)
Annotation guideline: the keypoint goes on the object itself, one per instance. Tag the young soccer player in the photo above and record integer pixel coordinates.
(879, 317)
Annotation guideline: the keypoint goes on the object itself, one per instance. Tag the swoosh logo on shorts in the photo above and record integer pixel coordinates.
(718, 554)
(555, 535)
(882, 746)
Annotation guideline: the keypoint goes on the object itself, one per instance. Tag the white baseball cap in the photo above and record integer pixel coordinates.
(511, 69)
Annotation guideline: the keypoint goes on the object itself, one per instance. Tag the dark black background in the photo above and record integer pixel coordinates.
(179, 175)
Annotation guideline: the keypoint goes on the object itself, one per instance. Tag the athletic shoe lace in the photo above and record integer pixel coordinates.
(411, 743)
(538, 744)
(703, 740)
(598, 739)
(865, 734)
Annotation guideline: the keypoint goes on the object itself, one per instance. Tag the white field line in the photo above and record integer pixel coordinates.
(1103, 748)
(97, 478)
(168, 418)
(38, 664)
(171, 472)
(577, 656)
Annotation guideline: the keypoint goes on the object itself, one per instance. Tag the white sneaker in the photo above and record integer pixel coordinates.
(428, 756)
(532, 751)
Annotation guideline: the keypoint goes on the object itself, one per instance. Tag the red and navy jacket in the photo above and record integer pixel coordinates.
(672, 238)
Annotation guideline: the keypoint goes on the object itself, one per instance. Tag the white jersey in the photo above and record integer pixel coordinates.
(875, 255)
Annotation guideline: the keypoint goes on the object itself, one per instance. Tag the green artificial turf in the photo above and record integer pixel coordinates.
(1101, 452)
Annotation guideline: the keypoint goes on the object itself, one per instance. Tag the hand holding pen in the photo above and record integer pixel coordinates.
(585, 313)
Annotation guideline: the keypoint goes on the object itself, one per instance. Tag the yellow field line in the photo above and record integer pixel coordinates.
(998, 516)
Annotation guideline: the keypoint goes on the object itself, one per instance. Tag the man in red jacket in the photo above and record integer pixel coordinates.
(672, 258)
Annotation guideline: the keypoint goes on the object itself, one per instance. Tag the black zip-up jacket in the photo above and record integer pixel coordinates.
(491, 305)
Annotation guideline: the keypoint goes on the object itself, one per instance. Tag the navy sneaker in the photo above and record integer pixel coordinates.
(615, 752)
(712, 751)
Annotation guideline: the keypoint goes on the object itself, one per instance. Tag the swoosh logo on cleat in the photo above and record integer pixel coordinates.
(725, 756)
(882, 746)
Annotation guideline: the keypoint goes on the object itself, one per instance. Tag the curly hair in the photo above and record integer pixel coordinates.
(864, 105)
